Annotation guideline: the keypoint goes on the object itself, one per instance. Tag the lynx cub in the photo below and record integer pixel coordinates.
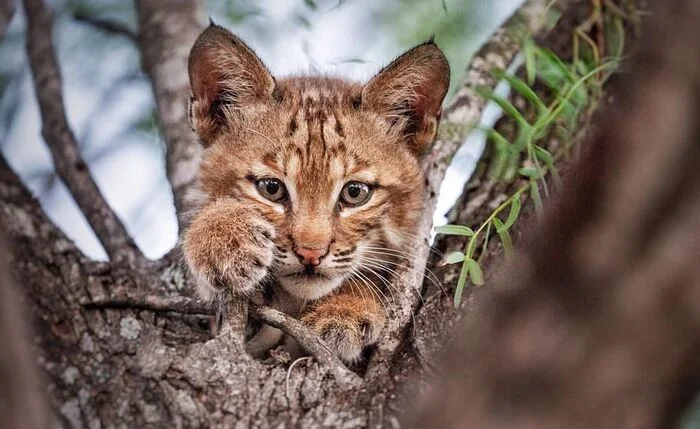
(311, 185)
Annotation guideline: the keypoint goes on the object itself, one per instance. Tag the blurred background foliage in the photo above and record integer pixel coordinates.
(110, 105)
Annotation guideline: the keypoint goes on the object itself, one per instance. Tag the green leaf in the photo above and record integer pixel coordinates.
(498, 224)
(615, 37)
(454, 230)
(577, 86)
(485, 245)
(471, 246)
(460, 284)
(514, 212)
(502, 232)
(536, 198)
(557, 62)
(581, 67)
(544, 155)
(530, 60)
(505, 105)
(501, 142)
(517, 84)
(475, 274)
(454, 258)
(552, 71)
(505, 155)
(530, 172)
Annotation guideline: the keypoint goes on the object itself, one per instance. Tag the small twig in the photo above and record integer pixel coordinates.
(290, 326)
(69, 163)
(106, 25)
(175, 304)
(308, 341)
(289, 372)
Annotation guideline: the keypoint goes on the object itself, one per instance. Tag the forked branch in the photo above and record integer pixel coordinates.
(69, 163)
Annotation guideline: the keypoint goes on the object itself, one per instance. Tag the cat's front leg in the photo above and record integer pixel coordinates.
(229, 248)
(348, 321)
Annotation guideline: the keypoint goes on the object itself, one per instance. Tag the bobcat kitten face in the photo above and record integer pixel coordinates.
(334, 181)
(331, 165)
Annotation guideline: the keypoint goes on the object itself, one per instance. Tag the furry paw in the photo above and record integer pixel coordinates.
(228, 245)
(346, 328)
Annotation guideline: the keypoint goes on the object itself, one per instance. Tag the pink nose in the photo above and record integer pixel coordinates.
(310, 256)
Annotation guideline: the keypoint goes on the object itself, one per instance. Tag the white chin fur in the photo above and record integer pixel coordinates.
(309, 288)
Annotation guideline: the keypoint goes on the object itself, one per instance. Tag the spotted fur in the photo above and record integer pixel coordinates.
(315, 134)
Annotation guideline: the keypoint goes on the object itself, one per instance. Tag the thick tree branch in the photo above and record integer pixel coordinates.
(166, 34)
(67, 159)
(595, 323)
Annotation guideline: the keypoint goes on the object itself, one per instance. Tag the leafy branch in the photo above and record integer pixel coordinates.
(575, 90)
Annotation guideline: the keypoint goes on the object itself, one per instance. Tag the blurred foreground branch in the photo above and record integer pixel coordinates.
(595, 323)
(7, 11)
(23, 402)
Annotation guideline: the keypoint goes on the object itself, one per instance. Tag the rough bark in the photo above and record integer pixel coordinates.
(166, 34)
(594, 324)
(142, 368)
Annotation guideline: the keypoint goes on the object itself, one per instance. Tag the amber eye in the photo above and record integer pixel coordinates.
(355, 194)
(272, 189)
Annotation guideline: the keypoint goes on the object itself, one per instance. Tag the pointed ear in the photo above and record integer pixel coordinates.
(409, 93)
(225, 76)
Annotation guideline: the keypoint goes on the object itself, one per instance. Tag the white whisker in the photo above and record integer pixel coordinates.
(372, 264)
(427, 274)
(371, 285)
(362, 281)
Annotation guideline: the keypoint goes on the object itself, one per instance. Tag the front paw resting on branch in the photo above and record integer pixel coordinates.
(347, 323)
(229, 247)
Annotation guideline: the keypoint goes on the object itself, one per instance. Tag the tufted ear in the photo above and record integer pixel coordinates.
(225, 76)
(409, 93)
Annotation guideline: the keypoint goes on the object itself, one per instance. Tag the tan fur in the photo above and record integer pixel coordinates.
(315, 134)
